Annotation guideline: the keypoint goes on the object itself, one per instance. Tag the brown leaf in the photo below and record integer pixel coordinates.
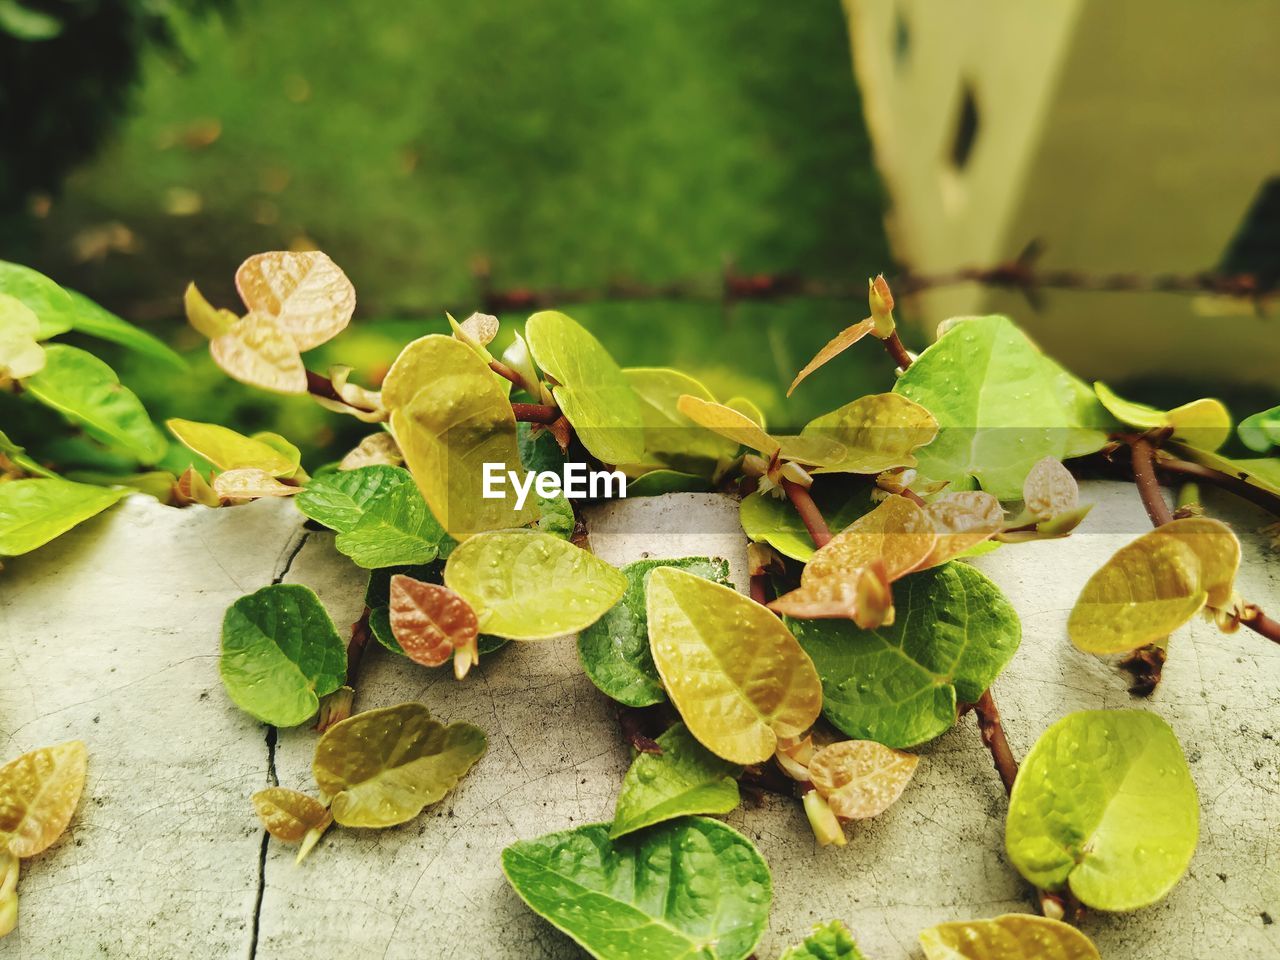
(962, 520)
(38, 794)
(432, 623)
(837, 345)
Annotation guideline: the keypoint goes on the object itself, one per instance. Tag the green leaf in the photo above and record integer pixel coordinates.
(539, 452)
(558, 518)
(396, 529)
(49, 302)
(670, 438)
(1014, 936)
(1104, 804)
(88, 393)
(735, 673)
(228, 450)
(589, 387)
(655, 483)
(899, 684)
(280, 654)
(525, 585)
(33, 512)
(381, 767)
(1001, 406)
(615, 649)
(1201, 423)
(1261, 431)
(19, 456)
(340, 499)
(97, 321)
(829, 941)
(691, 889)
(450, 417)
(879, 432)
(772, 520)
(684, 779)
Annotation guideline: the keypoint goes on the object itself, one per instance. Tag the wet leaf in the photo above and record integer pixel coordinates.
(38, 794)
(289, 815)
(258, 351)
(20, 355)
(340, 499)
(589, 387)
(690, 888)
(35, 511)
(828, 941)
(741, 429)
(837, 345)
(51, 304)
(88, 393)
(525, 585)
(861, 778)
(1261, 431)
(962, 521)
(1104, 804)
(228, 450)
(377, 449)
(1050, 490)
(670, 438)
(97, 321)
(1154, 585)
(615, 649)
(280, 654)
(381, 767)
(8, 893)
(396, 528)
(1001, 407)
(899, 685)
(450, 417)
(737, 698)
(250, 483)
(773, 520)
(431, 623)
(306, 293)
(1202, 423)
(883, 546)
(1014, 936)
(684, 779)
(879, 432)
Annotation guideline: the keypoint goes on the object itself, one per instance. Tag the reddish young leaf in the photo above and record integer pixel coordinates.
(432, 624)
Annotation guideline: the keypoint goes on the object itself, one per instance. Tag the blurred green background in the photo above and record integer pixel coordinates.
(548, 144)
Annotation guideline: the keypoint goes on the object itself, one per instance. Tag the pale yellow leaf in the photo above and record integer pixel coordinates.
(250, 483)
(38, 794)
(1050, 489)
(861, 778)
(258, 351)
(306, 292)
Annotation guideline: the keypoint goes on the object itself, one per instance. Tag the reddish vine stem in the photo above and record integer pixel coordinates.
(1144, 475)
(502, 370)
(897, 352)
(321, 386)
(536, 412)
(992, 730)
(809, 513)
(760, 588)
(360, 637)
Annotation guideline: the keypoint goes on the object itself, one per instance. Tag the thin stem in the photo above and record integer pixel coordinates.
(536, 412)
(992, 730)
(809, 513)
(1264, 625)
(1237, 485)
(502, 370)
(1144, 475)
(360, 637)
(897, 351)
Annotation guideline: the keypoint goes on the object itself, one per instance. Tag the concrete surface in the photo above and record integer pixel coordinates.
(110, 635)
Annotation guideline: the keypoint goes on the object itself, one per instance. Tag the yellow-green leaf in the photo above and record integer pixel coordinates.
(741, 429)
(38, 794)
(228, 450)
(837, 345)
(1154, 585)
(1014, 936)
(879, 432)
(861, 778)
(1202, 423)
(381, 767)
(736, 674)
(670, 437)
(450, 417)
(525, 585)
(204, 316)
(307, 293)
(35, 511)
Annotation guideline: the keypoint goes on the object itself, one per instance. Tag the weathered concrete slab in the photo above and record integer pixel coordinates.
(165, 854)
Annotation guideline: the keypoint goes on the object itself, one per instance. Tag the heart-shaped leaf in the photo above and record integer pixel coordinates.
(1104, 804)
(1154, 585)
(477, 332)
(828, 941)
(35, 511)
(1261, 431)
(772, 520)
(228, 450)
(49, 302)
(899, 685)
(280, 654)
(38, 794)
(837, 345)
(861, 778)
(962, 520)
(88, 393)
(258, 351)
(1014, 936)
(249, 483)
(340, 499)
(670, 438)
(589, 387)
(746, 431)
(381, 767)
(377, 449)
(450, 417)
(432, 624)
(615, 649)
(1202, 423)
(879, 432)
(395, 529)
(686, 778)
(1001, 406)
(306, 293)
(1050, 490)
(735, 673)
(292, 817)
(532, 586)
(20, 355)
(690, 888)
